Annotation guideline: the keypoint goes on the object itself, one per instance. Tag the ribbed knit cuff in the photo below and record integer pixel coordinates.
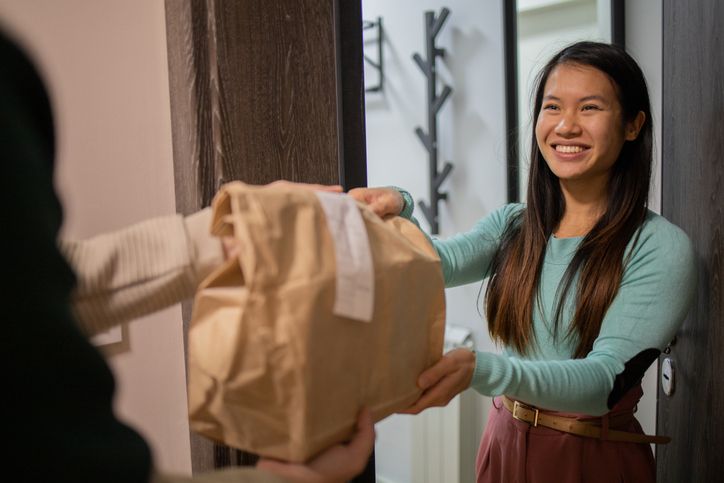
(207, 252)
(489, 375)
(409, 204)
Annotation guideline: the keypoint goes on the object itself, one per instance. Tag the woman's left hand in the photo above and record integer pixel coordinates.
(232, 245)
(450, 376)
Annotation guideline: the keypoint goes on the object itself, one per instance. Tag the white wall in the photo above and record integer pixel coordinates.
(471, 136)
(105, 64)
(644, 37)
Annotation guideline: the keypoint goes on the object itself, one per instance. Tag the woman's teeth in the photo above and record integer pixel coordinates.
(569, 149)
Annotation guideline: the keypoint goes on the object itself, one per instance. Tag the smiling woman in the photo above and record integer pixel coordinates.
(586, 285)
(579, 126)
(580, 131)
(536, 29)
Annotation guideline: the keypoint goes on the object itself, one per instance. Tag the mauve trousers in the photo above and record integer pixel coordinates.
(513, 451)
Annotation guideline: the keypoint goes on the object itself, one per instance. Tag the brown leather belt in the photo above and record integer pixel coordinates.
(590, 429)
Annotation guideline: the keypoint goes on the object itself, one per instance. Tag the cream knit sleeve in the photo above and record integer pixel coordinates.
(227, 475)
(140, 269)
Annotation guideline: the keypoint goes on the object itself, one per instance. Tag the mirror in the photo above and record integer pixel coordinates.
(536, 29)
(473, 124)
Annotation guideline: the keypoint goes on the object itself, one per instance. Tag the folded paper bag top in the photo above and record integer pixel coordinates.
(274, 368)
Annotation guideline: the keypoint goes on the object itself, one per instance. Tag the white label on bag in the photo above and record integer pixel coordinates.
(355, 272)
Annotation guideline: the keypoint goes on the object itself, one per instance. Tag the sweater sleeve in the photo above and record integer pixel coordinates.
(656, 291)
(140, 269)
(228, 475)
(466, 257)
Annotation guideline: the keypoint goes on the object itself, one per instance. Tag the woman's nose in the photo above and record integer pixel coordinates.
(568, 125)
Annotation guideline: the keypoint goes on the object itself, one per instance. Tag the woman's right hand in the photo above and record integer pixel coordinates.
(447, 378)
(383, 201)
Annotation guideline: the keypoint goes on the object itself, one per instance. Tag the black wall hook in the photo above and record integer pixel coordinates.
(433, 25)
(379, 64)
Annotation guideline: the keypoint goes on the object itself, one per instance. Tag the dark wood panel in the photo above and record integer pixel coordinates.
(262, 91)
(693, 198)
(277, 90)
(189, 84)
(188, 52)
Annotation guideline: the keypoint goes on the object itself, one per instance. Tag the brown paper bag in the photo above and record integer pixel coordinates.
(272, 369)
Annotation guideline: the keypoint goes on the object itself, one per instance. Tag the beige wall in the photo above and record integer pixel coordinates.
(105, 64)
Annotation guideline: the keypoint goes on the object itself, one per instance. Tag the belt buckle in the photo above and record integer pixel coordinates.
(517, 405)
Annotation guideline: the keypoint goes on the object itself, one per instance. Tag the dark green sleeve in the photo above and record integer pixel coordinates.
(57, 388)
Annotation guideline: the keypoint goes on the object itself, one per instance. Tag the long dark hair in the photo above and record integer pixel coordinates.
(599, 261)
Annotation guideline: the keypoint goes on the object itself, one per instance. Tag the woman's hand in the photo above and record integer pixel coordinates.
(383, 201)
(314, 187)
(450, 376)
(232, 246)
(337, 464)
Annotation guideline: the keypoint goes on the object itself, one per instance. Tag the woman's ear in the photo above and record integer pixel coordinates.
(634, 127)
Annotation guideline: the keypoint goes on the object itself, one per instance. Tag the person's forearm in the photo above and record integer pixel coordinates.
(466, 256)
(140, 269)
(575, 385)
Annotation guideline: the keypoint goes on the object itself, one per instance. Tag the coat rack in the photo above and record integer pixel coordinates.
(379, 64)
(434, 103)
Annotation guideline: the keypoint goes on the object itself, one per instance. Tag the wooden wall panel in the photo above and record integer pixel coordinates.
(693, 198)
(262, 91)
(277, 90)
(191, 110)
(188, 52)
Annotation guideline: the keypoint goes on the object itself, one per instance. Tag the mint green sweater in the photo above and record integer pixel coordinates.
(656, 290)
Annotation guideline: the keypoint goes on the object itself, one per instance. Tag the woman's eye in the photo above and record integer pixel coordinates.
(550, 107)
(591, 107)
